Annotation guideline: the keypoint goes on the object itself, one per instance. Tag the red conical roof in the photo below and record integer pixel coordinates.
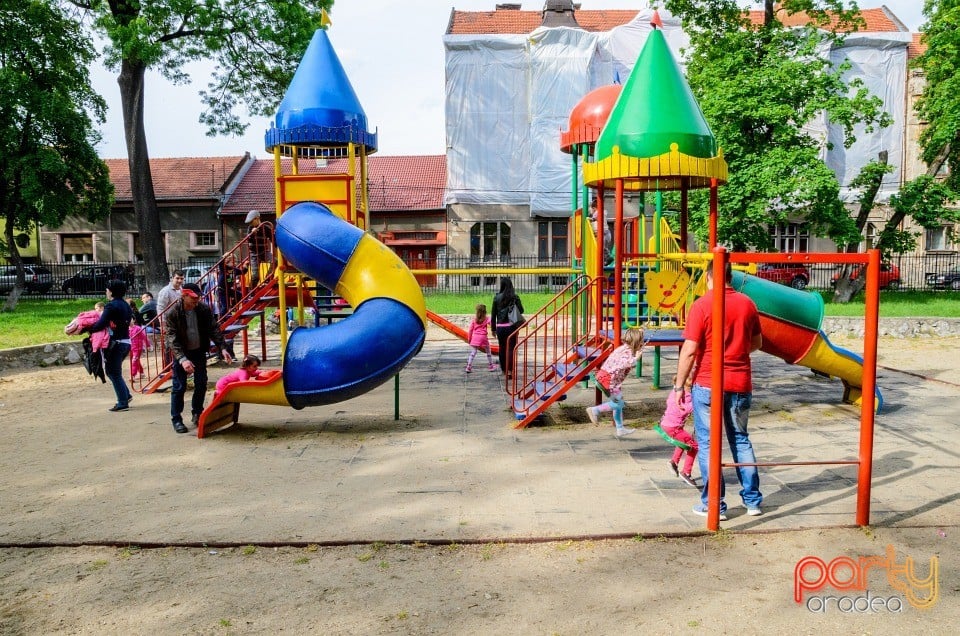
(589, 117)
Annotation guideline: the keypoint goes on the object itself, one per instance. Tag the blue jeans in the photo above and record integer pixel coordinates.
(616, 405)
(113, 369)
(736, 410)
(199, 360)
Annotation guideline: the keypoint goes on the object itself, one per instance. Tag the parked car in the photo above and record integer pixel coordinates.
(95, 278)
(949, 279)
(193, 273)
(797, 275)
(889, 276)
(36, 279)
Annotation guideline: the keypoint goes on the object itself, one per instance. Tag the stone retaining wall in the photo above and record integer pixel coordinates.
(64, 353)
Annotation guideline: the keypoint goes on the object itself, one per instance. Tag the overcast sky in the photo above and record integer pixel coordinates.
(392, 51)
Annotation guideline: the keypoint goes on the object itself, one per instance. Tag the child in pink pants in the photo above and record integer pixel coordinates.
(672, 424)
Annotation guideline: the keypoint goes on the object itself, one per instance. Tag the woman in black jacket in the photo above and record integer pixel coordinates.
(502, 324)
(116, 315)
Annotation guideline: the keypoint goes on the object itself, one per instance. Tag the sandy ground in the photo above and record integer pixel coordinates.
(729, 583)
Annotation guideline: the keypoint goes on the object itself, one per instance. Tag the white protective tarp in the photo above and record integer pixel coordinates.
(509, 97)
(880, 61)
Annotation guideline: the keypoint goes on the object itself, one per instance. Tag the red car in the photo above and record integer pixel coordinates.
(796, 275)
(889, 276)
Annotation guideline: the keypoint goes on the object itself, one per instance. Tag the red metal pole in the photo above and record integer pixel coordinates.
(868, 388)
(716, 389)
(601, 288)
(713, 212)
(618, 264)
(683, 219)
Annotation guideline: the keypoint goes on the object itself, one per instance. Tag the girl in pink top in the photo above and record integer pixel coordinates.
(477, 337)
(677, 413)
(139, 342)
(249, 368)
(611, 376)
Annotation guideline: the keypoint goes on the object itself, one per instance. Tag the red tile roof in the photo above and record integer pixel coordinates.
(512, 21)
(506, 21)
(916, 48)
(877, 20)
(179, 177)
(399, 183)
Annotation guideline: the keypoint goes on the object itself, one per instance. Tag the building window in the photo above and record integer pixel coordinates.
(136, 247)
(939, 239)
(790, 237)
(552, 240)
(490, 241)
(206, 241)
(76, 248)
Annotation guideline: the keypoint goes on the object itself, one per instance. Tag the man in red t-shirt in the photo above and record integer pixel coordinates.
(741, 336)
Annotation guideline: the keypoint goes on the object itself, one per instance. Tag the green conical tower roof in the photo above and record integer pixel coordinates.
(657, 136)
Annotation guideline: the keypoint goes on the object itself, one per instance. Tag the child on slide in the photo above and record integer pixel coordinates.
(249, 368)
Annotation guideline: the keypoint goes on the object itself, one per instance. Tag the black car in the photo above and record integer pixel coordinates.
(36, 279)
(95, 279)
(949, 279)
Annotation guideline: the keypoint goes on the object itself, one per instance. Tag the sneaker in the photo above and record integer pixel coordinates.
(592, 414)
(493, 367)
(701, 510)
(673, 467)
(179, 427)
(468, 370)
(687, 479)
(118, 407)
(626, 430)
(754, 511)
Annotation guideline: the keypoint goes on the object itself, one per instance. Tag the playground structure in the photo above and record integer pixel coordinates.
(622, 140)
(322, 254)
(650, 137)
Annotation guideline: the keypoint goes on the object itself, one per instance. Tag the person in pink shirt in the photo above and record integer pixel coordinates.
(674, 417)
(249, 368)
(99, 340)
(611, 376)
(139, 342)
(477, 337)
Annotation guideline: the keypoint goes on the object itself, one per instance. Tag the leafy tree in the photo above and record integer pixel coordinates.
(758, 86)
(256, 46)
(925, 199)
(939, 106)
(49, 167)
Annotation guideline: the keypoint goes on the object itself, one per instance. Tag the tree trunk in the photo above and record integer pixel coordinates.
(14, 297)
(845, 288)
(131, 81)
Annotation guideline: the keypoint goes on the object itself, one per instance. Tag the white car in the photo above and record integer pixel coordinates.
(193, 273)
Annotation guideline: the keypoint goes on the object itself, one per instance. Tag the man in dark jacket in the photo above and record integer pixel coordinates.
(190, 328)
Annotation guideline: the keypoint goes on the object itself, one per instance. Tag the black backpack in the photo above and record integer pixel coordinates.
(92, 361)
(503, 311)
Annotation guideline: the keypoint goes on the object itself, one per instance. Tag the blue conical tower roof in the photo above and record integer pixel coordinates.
(320, 106)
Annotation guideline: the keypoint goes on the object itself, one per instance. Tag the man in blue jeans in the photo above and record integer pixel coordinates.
(190, 328)
(741, 336)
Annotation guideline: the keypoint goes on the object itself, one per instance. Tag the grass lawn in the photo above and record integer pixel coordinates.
(38, 321)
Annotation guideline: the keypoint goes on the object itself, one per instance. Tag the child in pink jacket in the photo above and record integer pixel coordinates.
(672, 424)
(611, 375)
(477, 337)
(139, 342)
(249, 368)
(98, 340)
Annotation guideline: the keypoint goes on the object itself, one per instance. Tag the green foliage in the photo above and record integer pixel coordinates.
(758, 87)
(256, 47)
(939, 106)
(49, 167)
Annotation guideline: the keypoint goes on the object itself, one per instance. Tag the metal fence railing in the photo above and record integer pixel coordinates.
(73, 280)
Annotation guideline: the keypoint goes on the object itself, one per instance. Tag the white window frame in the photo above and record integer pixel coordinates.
(195, 245)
